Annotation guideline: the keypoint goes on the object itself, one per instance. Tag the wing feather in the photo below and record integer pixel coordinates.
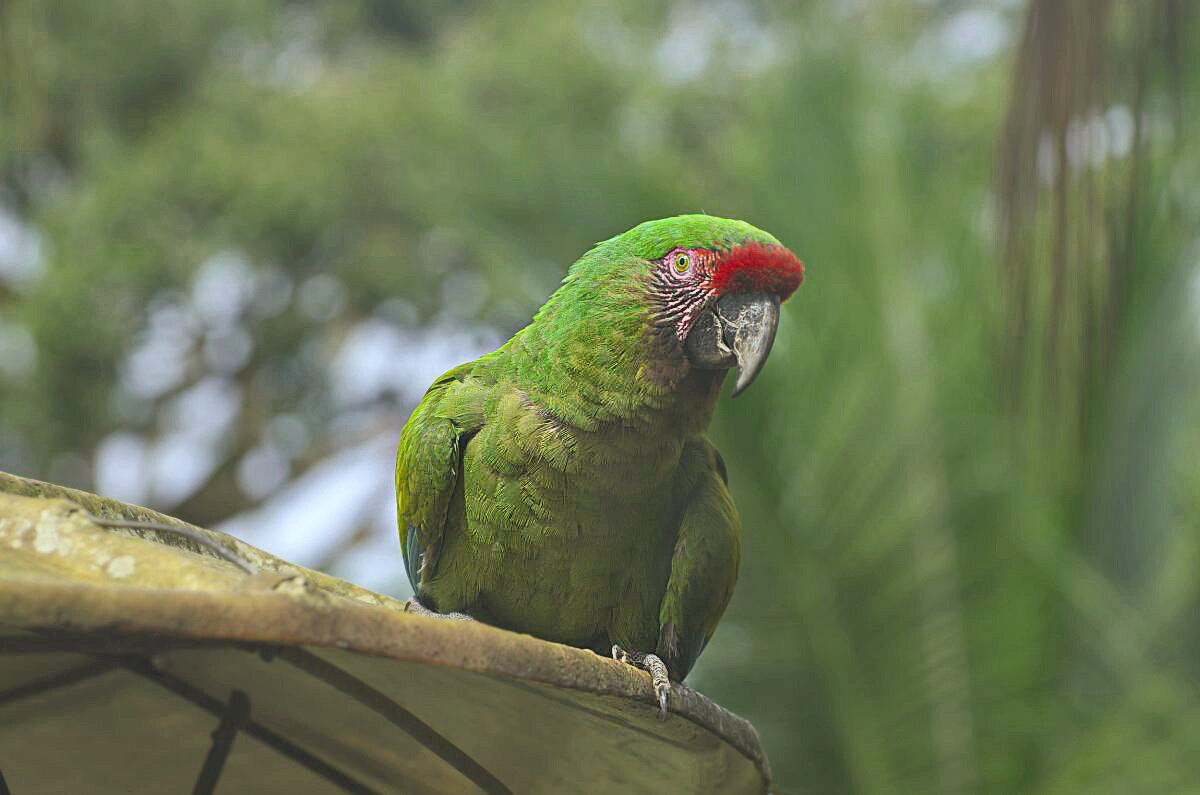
(704, 567)
(429, 467)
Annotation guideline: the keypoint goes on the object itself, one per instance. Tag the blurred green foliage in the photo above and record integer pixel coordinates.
(969, 474)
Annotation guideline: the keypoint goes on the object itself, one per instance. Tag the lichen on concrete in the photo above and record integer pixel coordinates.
(70, 506)
(121, 567)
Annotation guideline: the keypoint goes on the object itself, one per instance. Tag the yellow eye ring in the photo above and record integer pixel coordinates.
(682, 263)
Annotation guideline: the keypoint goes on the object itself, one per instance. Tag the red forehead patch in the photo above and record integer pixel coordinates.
(758, 266)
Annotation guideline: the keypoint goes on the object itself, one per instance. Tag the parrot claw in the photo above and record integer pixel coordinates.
(415, 606)
(653, 665)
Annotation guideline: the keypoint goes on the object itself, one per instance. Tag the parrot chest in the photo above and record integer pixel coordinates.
(568, 534)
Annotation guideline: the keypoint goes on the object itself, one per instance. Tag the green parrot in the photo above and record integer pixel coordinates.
(563, 486)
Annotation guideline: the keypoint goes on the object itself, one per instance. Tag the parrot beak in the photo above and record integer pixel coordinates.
(738, 330)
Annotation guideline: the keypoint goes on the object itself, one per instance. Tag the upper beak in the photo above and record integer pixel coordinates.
(738, 329)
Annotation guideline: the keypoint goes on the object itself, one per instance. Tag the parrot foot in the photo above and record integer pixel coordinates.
(653, 665)
(415, 606)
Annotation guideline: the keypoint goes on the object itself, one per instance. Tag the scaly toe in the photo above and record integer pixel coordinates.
(663, 694)
(662, 683)
(653, 665)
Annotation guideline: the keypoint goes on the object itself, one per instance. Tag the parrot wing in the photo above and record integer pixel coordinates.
(704, 566)
(429, 467)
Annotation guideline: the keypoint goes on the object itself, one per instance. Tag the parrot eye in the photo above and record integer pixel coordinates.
(681, 262)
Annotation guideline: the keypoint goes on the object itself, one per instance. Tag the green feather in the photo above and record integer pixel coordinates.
(562, 486)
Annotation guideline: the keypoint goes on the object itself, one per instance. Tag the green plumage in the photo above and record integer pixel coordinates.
(562, 485)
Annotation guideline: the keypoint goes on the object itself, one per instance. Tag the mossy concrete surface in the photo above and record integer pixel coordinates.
(121, 651)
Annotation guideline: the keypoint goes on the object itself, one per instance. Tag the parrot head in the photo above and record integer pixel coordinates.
(717, 285)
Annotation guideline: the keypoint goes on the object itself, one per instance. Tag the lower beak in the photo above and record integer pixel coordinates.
(738, 329)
